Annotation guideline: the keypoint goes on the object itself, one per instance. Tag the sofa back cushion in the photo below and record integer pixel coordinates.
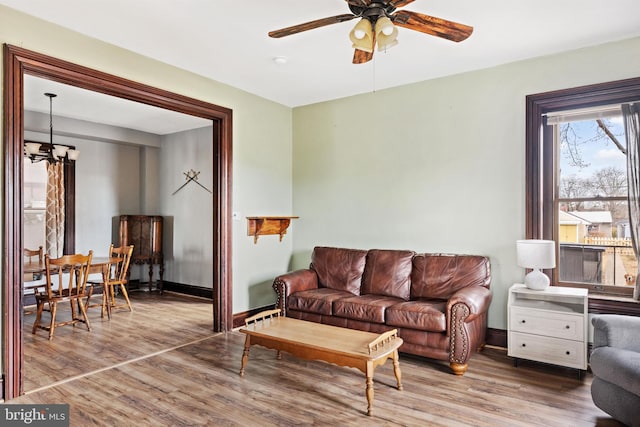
(339, 268)
(439, 276)
(388, 272)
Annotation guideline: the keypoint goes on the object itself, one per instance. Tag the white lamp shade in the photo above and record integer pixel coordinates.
(73, 154)
(536, 253)
(32, 147)
(60, 150)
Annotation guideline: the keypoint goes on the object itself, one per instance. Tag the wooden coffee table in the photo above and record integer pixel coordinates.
(315, 341)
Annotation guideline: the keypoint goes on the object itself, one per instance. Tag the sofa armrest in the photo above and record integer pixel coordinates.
(294, 281)
(476, 298)
(466, 324)
(611, 330)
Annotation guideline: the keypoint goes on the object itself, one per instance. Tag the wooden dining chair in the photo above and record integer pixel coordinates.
(116, 278)
(29, 256)
(75, 268)
(30, 253)
(31, 282)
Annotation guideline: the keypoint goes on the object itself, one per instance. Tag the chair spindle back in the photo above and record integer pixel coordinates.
(75, 267)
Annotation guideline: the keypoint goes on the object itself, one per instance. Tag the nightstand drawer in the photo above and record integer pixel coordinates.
(550, 350)
(547, 323)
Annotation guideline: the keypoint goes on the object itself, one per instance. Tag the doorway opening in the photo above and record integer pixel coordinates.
(20, 62)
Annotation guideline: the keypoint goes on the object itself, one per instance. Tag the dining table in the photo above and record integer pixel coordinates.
(98, 265)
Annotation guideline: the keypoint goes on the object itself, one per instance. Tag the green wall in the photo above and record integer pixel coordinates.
(436, 166)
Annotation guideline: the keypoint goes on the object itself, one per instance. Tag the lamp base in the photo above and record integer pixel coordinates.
(536, 280)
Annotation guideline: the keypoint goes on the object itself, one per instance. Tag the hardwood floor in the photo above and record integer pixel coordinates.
(162, 365)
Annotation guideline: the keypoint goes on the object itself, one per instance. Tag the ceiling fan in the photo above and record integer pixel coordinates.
(379, 19)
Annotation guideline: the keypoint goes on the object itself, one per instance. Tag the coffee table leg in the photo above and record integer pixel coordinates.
(245, 354)
(396, 369)
(369, 388)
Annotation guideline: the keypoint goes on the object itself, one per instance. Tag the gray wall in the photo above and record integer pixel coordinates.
(188, 243)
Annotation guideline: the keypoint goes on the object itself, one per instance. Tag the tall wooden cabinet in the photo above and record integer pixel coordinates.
(144, 232)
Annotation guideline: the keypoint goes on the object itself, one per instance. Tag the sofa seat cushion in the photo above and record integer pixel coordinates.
(617, 366)
(368, 308)
(318, 301)
(423, 315)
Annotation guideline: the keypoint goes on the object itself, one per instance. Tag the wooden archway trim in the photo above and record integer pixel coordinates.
(19, 61)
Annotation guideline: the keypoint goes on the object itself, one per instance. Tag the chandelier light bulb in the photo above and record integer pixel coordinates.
(359, 34)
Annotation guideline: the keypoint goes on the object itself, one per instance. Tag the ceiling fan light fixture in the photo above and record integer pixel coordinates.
(361, 30)
(378, 25)
(385, 26)
(386, 34)
(362, 35)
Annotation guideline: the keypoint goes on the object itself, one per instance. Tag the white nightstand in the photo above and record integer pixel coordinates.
(548, 326)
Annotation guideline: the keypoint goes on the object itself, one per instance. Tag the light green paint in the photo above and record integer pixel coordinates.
(436, 166)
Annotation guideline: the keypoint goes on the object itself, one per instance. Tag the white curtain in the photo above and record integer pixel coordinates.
(631, 114)
(55, 210)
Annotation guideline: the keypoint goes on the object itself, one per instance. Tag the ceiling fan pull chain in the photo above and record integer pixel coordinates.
(373, 67)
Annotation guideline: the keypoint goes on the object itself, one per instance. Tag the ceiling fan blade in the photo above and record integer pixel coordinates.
(360, 56)
(431, 25)
(311, 25)
(400, 3)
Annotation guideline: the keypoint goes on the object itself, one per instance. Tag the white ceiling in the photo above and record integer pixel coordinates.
(81, 104)
(227, 40)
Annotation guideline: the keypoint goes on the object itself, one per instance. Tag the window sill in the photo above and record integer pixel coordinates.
(611, 304)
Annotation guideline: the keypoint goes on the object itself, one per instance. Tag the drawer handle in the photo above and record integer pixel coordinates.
(523, 321)
(567, 327)
(568, 352)
(524, 345)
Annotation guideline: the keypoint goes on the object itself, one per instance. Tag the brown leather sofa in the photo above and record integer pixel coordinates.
(437, 302)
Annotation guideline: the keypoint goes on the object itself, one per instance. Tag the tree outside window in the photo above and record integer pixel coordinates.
(593, 219)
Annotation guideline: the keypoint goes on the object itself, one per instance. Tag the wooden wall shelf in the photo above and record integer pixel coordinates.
(265, 225)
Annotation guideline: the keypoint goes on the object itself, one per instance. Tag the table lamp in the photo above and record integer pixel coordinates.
(536, 254)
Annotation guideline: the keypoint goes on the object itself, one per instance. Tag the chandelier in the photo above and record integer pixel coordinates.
(37, 151)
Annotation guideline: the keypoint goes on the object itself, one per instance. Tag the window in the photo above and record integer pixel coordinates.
(592, 226)
(35, 183)
(558, 206)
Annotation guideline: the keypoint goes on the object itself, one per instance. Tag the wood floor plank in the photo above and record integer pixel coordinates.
(163, 366)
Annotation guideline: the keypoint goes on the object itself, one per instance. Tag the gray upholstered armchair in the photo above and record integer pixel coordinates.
(615, 362)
